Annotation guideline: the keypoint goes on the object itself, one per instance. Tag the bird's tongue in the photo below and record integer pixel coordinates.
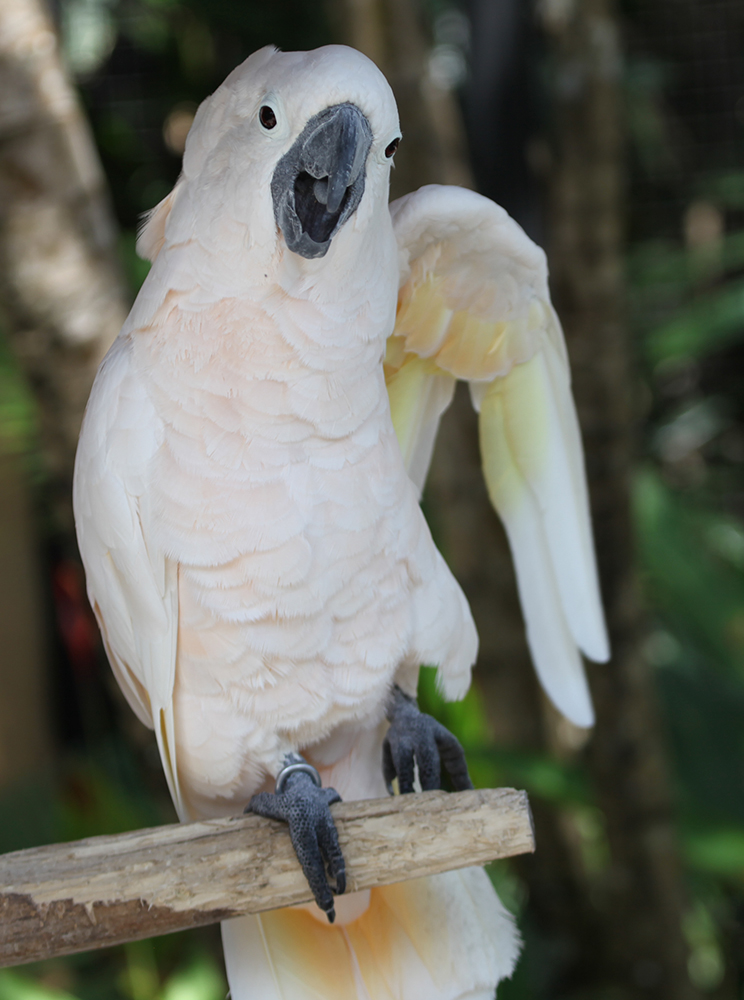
(316, 219)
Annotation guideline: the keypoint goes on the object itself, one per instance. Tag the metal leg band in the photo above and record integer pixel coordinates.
(296, 765)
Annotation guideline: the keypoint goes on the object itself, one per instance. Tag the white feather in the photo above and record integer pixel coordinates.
(418, 399)
(564, 503)
(474, 304)
(441, 938)
(131, 585)
(503, 426)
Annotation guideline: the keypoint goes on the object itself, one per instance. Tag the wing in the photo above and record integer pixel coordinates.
(132, 586)
(474, 305)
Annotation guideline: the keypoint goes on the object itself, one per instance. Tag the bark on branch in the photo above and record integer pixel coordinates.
(106, 890)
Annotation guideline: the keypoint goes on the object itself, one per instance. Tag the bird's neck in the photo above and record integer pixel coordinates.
(327, 313)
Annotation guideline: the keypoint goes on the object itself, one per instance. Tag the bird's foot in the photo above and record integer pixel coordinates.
(301, 802)
(416, 736)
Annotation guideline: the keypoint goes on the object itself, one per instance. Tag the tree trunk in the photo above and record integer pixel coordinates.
(63, 298)
(25, 737)
(62, 301)
(639, 897)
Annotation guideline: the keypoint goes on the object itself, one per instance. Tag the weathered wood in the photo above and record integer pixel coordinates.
(106, 890)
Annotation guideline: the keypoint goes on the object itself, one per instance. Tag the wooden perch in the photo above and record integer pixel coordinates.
(106, 890)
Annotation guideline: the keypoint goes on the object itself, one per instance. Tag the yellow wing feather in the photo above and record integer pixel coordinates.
(474, 305)
(419, 393)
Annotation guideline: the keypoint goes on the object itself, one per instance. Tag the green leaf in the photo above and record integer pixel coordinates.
(202, 980)
(17, 412)
(14, 986)
(466, 718)
(725, 188)
(709, 323)
(718, 852)
(700, 590)
(538, 774)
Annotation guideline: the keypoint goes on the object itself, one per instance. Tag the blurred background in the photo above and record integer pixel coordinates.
(614, 133)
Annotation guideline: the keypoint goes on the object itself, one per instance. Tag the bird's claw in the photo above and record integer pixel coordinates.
(305, 807)
(414, 735)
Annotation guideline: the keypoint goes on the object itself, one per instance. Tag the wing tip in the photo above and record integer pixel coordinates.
(574, 701)
(596, 647)
(581, 716)
(562, 676)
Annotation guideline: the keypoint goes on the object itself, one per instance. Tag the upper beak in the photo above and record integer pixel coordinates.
(335, 152)
(319, 182)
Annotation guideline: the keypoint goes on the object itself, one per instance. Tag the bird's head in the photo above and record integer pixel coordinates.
(292, 150)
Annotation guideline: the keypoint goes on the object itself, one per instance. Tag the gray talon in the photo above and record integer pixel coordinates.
(416, 736)
(301, 803)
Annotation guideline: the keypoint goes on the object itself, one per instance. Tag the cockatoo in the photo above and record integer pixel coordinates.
(246, 496)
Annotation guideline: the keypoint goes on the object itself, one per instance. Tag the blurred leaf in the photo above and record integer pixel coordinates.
(14, 986)
(84, 799)
(17, 413)
(162, 4)
(702, 593)
(202, 980)
(149, 29)
(466, 718)
(118, 137)
(510, 888)
(691, 427)
(538, 774)
(720, 852)
(648, 125)
(654, 265)
(703, 712)
(726, 188)
(139, 978)
(657, 268)
(589, 824)
(29, 813)
(88, 33)
(93, 802)
(710, 322)
(195, 46)
(706, 964)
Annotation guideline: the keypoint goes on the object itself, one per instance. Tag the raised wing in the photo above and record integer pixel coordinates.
(474, 305)
(132, 587)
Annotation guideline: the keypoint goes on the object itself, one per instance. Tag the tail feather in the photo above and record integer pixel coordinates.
(440, 938)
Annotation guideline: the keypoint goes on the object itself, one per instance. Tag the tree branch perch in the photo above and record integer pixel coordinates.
(106, 890)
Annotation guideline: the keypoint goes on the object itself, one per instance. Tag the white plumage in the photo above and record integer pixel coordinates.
(255, 553)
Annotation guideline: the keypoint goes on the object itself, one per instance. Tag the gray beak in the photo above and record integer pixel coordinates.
(318, 184)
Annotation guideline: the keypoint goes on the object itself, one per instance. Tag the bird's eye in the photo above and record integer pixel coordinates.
(392, 147)
(267, 117)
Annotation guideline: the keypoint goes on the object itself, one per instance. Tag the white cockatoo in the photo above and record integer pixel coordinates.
(246, 496)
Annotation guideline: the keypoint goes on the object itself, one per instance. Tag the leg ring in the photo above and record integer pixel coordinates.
(297, 766)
